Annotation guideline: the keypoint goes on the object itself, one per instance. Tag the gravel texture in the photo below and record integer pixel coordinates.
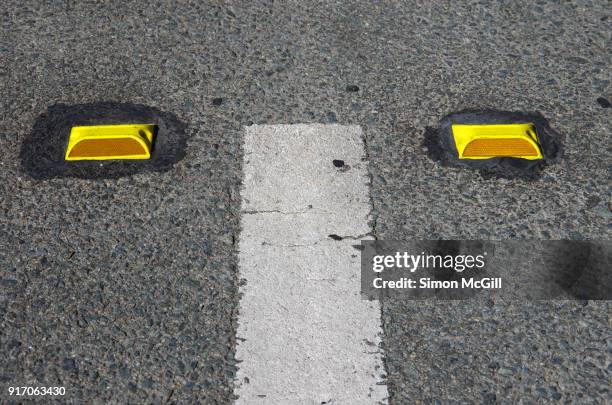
(125, 289)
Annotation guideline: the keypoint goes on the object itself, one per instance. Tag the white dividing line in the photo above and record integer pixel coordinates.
(305, 336)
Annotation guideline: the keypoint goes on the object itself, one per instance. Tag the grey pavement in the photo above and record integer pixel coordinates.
(125, 290)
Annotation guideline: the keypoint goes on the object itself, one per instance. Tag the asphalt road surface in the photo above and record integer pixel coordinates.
(126, 289)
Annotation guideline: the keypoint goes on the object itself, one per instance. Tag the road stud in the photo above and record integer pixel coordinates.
(476, 141)
(110, 142)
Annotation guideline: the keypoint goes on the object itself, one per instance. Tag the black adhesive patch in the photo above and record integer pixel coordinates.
(43, 150)
(441, 147)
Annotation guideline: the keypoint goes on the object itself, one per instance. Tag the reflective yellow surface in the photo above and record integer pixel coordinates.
(110, 142)
(475, 141)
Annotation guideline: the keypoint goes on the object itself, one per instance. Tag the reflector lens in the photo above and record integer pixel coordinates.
(110, 142)
(499, 140)
(499, 147)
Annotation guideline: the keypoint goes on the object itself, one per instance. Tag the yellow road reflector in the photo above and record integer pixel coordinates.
(110, 142)
(476, 141)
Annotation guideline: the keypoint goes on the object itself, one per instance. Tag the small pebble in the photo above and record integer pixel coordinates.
(604, 103)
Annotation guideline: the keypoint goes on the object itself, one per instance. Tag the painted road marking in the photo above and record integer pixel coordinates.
(305, 335)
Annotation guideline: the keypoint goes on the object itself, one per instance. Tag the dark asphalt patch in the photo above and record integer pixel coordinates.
(581, 268)
(441, 147)
(42, 152)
